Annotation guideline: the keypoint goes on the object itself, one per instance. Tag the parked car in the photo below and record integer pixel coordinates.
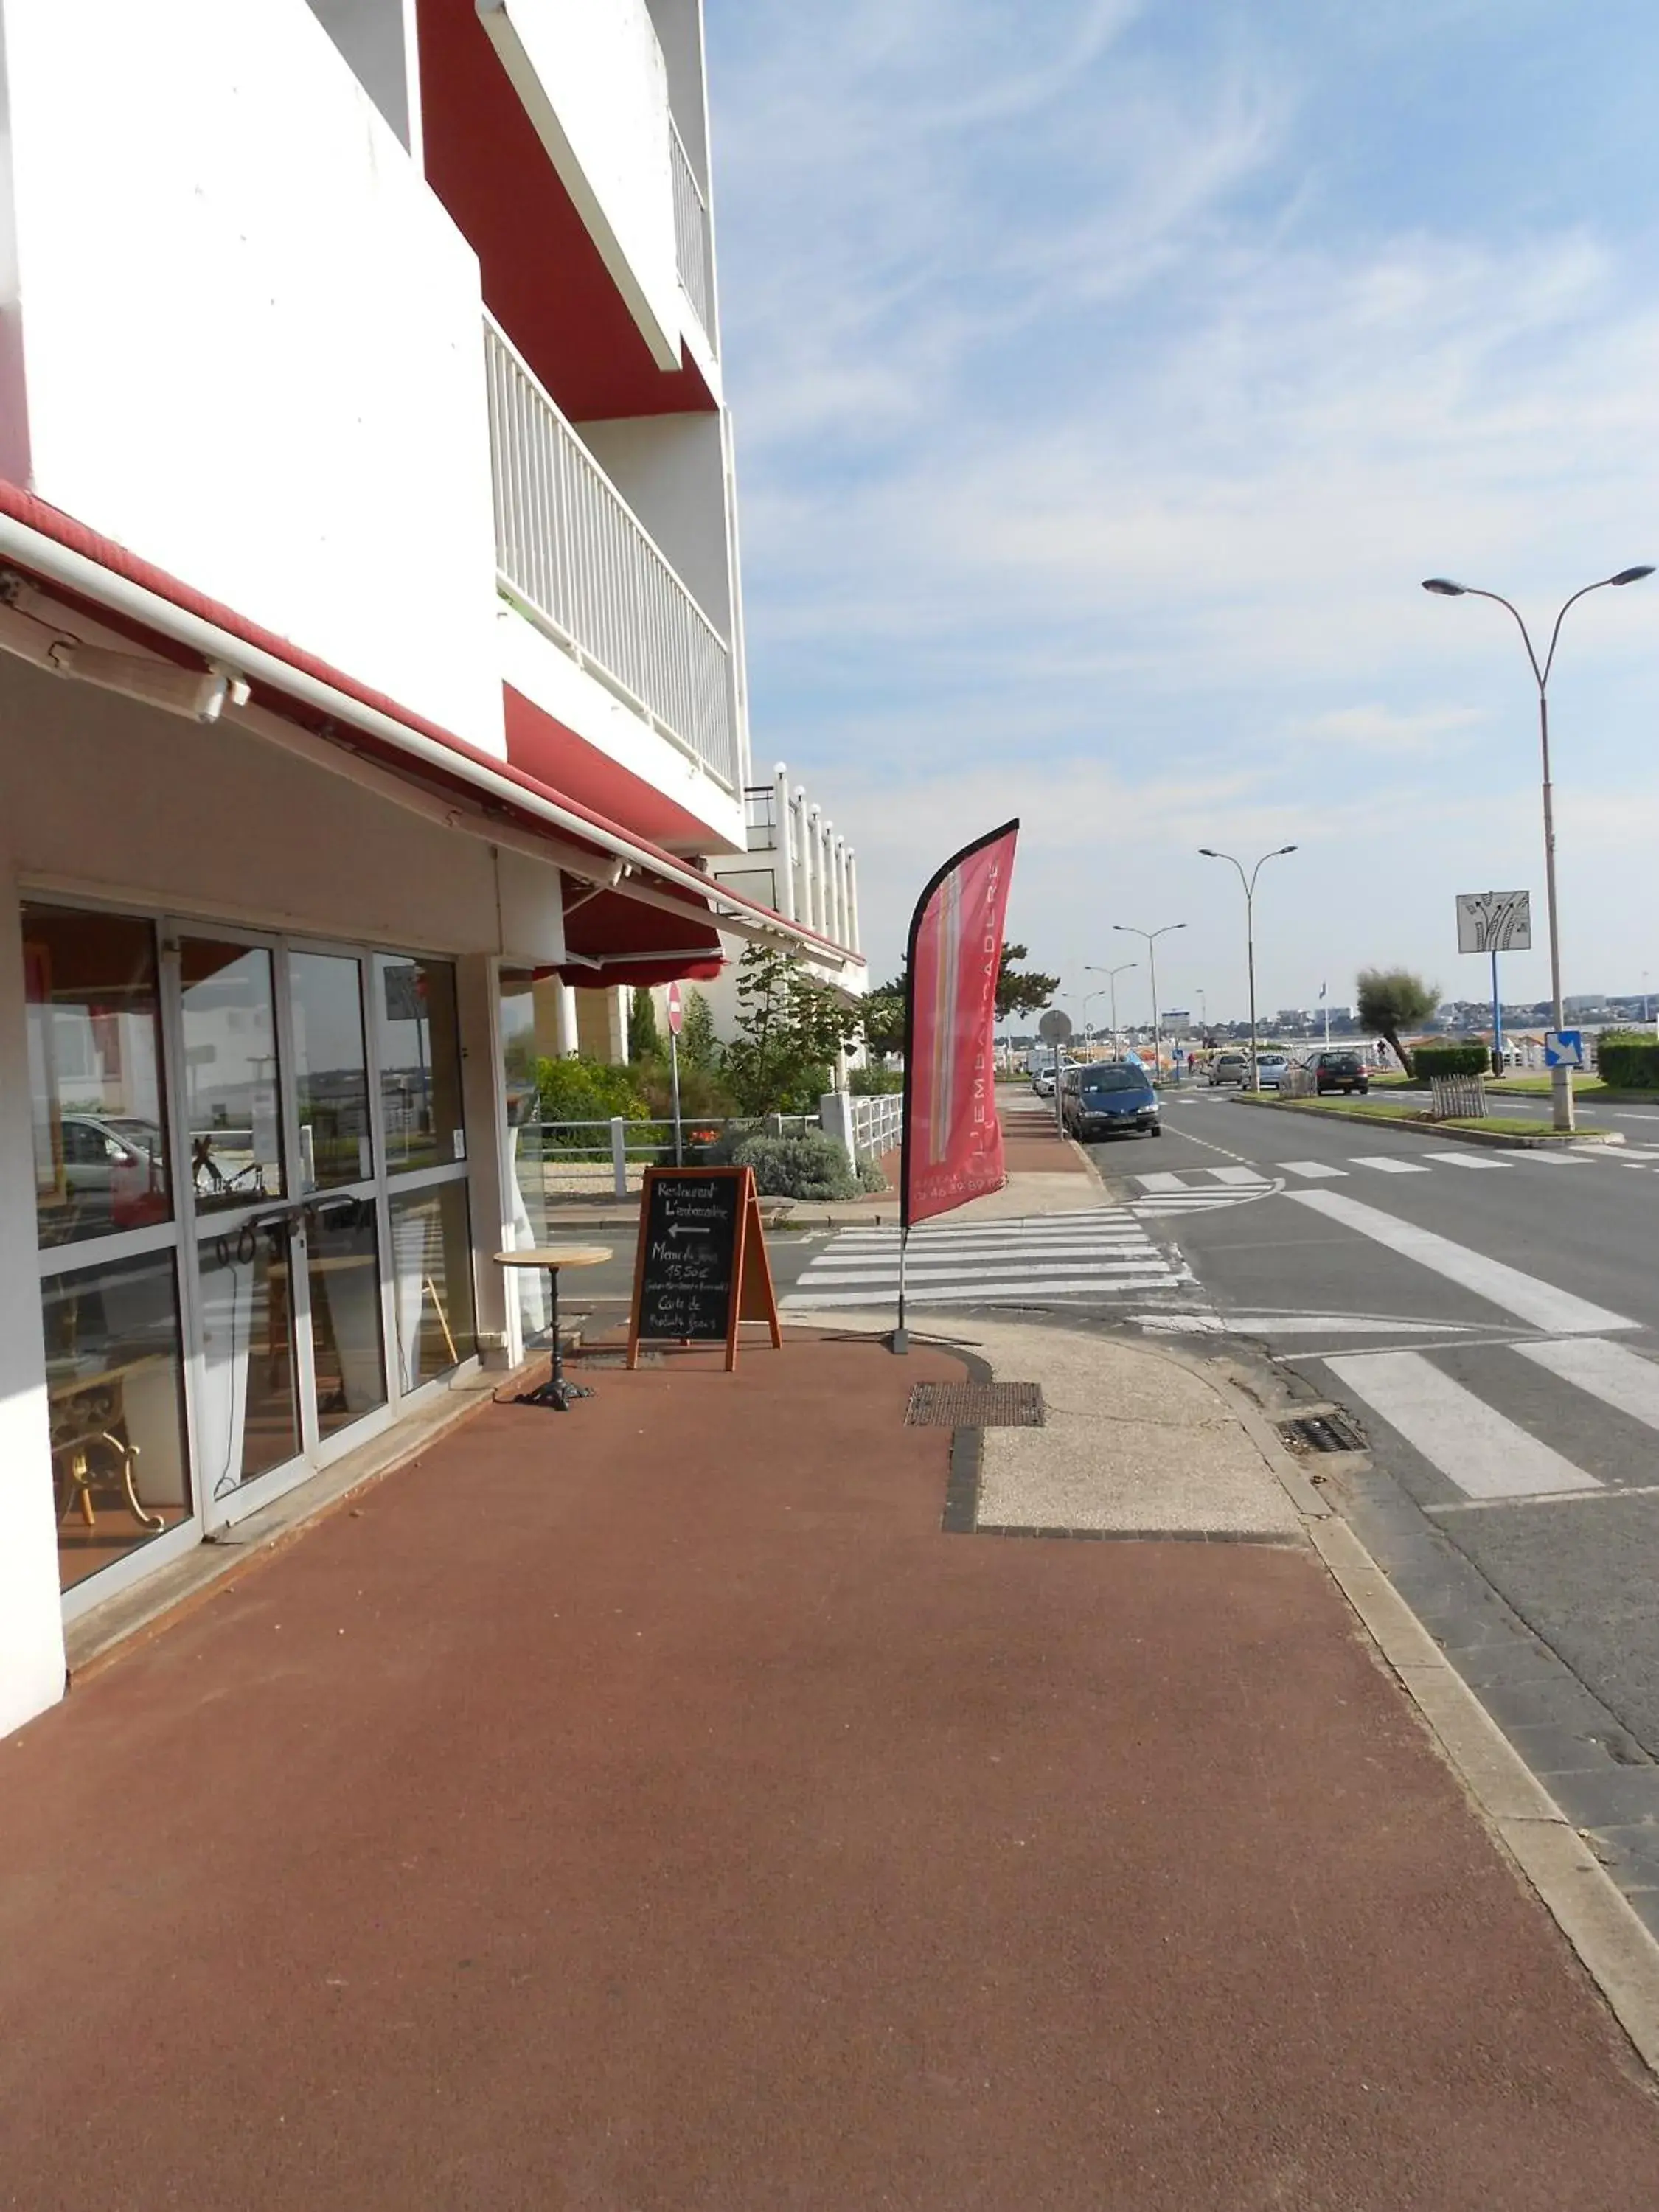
(1230, 1067)
(1109, 1100)
(1043, 1083)
(1340, 1071)
(1270, 1069)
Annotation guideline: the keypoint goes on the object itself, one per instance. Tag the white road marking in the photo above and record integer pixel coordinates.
(1540, 1158)
(1385, 1164)
(1314, 1170)
(1238, 1177)
(1464, 1160)
(1539, 1303)
(1550, 1498)
(974, 1291)
(1475, 1447)
(1295, 1325)
(1162, 1182)
(1614, 1373)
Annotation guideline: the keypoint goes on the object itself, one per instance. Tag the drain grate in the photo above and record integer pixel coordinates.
(1331, 1432)
(975, 1405)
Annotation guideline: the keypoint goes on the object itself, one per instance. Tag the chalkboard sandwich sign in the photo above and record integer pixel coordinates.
(701, 1268)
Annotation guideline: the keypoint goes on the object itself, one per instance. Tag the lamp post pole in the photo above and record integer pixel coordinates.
(1111, 975)
(1248, 884)
(1151, 937)
(1560, 1075)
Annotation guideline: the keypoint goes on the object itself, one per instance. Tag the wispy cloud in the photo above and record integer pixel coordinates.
(1099, 408)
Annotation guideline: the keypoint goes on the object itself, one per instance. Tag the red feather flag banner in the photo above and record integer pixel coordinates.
(952, 1141)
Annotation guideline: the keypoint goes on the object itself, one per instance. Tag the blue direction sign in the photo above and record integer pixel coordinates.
(1563, 1049)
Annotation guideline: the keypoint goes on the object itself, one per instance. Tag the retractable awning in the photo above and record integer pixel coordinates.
(290, 691)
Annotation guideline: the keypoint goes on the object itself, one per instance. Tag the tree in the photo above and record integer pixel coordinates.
(1390, 999)
(882, 1015)
(790, 1031)
(698, 1048)
(1018, 992)
(644, 1041)
(1021, 994)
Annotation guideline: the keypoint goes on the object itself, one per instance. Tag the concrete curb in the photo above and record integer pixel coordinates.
(1613, 1947)
(1493, 1139)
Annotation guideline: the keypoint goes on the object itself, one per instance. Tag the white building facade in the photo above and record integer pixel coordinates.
(371, 657)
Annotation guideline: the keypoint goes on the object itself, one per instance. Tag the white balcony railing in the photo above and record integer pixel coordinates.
(573, 554)
(692, 238)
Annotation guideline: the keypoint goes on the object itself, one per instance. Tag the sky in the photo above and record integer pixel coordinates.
(1106, 377)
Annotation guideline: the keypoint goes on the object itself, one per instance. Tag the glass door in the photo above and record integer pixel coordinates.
(249, 1234)
(286, 1233)
(336, 1145)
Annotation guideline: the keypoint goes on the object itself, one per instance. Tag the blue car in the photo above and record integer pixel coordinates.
(1109, 1101)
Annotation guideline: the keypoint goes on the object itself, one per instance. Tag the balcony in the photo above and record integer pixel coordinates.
(693, 238)
(576, 560)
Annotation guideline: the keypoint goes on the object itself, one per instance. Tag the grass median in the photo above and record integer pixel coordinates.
(1404, 1116)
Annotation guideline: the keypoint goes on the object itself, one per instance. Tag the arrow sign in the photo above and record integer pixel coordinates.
(685, 1228)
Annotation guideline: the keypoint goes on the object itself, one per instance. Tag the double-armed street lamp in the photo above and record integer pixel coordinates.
(1249, 884)
(1111, 975)
(1151, 937)
(1443, 587)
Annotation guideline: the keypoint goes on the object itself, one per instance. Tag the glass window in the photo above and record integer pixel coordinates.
(344, 1276)
(94, 1050)
(432, 1265)
(230, 1073)
(418, 1038)
(113, 1375)
(331, 1071)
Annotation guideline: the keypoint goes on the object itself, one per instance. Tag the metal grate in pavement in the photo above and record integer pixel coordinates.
(1329, 1431)
(975, 1405)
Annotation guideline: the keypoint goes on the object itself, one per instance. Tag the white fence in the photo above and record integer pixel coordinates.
(692, 238)
(574, 556)
(1456, 1097)
(867, 1126)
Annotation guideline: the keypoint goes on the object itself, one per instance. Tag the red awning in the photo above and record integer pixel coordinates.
(616, 940)
(79, 567)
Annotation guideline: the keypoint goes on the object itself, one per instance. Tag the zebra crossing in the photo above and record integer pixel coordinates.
(1486, 1455)
(1098, 1255)
(1199, 1189)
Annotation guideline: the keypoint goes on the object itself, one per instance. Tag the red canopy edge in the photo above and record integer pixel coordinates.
(76, 538)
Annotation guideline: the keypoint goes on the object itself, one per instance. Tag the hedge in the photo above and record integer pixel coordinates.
(1451, 1060)
(1628, 1060)
(810, 1165)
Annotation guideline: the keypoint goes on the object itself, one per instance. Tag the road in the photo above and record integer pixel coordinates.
(1491, 1321)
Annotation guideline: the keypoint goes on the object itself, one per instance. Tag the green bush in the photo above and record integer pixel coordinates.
(810, 1165)
(1451, 1060)
(870, 1177)
(585, 1090)
(875, 1082)
(1628, 1060)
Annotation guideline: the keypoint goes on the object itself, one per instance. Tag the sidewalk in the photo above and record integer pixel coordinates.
(655, 1807)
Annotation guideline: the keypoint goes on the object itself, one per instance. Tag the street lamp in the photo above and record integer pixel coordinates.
(1088, 1030)
(1442, 587)
(1249, 884)
(1111, 975)
(1151, 937)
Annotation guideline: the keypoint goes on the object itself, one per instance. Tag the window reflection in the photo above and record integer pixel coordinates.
(331, 1071)
(230, 1073)
(248, 1415)
(432, 1267)
(94, 1074)
(113, 1374)
(417, 1038)
(344, 1276)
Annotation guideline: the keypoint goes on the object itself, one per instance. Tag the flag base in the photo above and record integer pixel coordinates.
(898, 1342)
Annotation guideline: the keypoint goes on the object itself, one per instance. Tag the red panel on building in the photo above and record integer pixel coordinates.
(544, 280)
(538, 745)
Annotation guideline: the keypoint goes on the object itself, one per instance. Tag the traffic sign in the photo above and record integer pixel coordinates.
(1563, 1049)
(1494, 922)
(1055, 1027)
(675, 1009)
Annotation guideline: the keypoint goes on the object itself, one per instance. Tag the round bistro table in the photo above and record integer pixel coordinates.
(556, 1392)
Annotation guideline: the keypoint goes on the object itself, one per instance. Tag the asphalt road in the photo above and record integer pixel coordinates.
(1491, 1322)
